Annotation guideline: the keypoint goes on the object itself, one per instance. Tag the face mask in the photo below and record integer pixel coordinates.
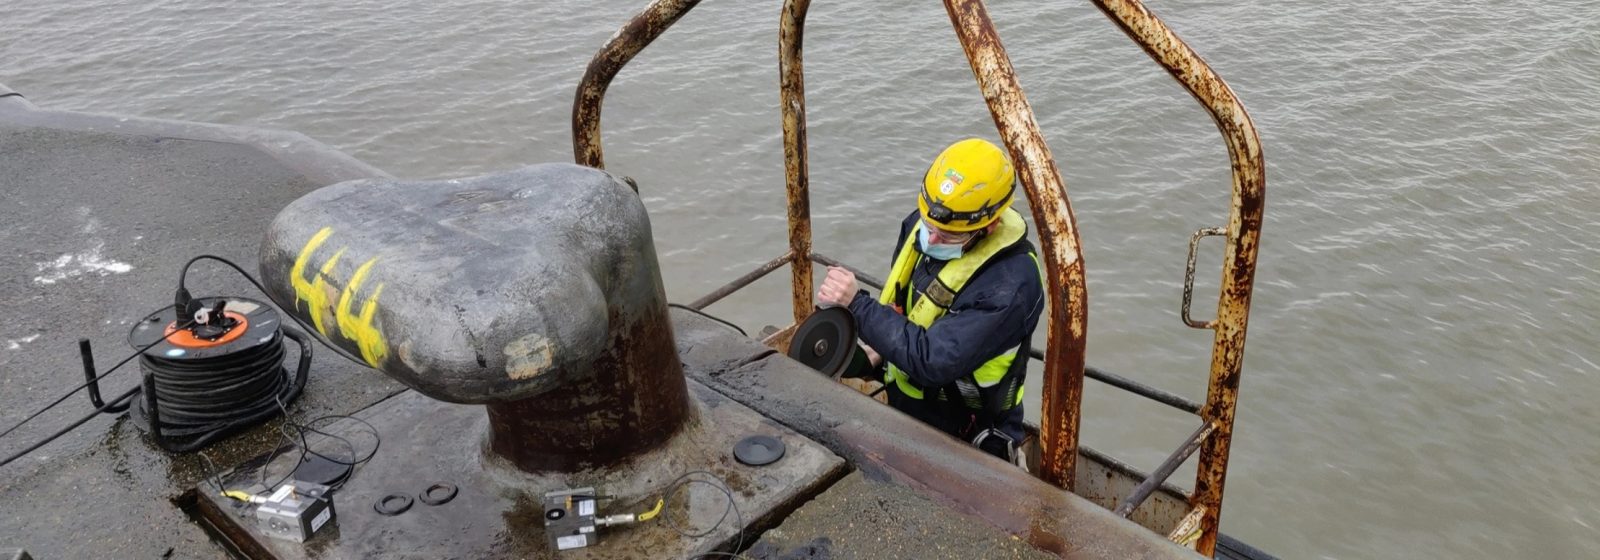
(939, 251)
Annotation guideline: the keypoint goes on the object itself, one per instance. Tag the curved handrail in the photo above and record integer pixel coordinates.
(648, 24)
(1244, 234)
(1058, 235)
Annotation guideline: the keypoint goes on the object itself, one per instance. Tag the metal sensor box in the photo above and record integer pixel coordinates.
(295, 511)
(569, 518)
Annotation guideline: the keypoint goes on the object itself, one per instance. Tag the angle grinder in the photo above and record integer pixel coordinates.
(826, 342)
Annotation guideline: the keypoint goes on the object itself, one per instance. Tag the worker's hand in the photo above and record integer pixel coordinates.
(872, 355)
(838, 288)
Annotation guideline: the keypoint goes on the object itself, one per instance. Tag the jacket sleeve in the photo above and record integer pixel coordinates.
(982, 324)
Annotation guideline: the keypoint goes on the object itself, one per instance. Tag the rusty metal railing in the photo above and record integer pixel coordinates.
(632, 38)
(1058, 236)
(1243, 240)
(1067, 325)
(796, 163)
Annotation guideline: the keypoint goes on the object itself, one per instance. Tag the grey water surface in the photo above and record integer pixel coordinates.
(1421, 374)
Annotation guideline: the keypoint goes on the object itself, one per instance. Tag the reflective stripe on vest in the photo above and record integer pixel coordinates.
(941, 294)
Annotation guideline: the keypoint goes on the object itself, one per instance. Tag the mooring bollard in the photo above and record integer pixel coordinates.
(535, 292)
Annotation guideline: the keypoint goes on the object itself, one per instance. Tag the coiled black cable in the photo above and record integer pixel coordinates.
(203, 399)
(117, 405)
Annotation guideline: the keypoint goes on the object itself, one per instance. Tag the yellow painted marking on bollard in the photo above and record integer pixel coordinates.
(359, 328)
(313, 292)
(317, 293)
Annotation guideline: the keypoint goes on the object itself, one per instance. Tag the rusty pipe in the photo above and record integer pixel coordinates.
(862, 276)
(1157, 477)
(1243, 231)
(633, 37)
(1058, 234)
(740, 282)
(792, 97)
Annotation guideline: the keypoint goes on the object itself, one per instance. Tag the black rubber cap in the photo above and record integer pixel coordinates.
(322, 471)
(758, 450)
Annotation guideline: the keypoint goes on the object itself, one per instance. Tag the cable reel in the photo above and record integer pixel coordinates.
(214, 373)
(212, 367)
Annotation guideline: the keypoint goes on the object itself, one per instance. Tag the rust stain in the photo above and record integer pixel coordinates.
(1043, 538)
(632, 399)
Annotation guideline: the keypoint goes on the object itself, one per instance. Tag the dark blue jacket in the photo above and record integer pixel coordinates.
(996, 311)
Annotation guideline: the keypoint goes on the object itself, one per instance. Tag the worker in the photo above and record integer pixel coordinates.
(951, 329)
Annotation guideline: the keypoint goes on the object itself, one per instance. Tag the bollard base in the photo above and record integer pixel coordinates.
(497, 511)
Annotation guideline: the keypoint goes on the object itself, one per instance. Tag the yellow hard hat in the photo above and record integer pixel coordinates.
(967, 186)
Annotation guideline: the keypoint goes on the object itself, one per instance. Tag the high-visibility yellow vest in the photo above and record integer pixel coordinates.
(941, 293)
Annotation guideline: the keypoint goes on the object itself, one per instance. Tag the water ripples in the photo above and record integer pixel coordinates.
(1421, 369)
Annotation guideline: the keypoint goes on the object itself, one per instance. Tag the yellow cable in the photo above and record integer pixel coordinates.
(646, 516)
(237, 495)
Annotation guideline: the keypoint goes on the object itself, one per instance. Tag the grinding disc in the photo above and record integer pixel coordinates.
(825, 341)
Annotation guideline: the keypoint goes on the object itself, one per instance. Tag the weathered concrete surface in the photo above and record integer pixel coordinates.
(97, 213)
(498, 515)
(887, 445)
(858, 519)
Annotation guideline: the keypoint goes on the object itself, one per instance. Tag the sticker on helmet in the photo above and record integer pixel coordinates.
(951, 179)
(952, 176)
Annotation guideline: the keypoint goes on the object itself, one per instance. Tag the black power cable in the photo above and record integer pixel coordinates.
(70, 427)
(114, 404)
(306, 448)
(715, 482)
(708, 316)
(96, 379)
